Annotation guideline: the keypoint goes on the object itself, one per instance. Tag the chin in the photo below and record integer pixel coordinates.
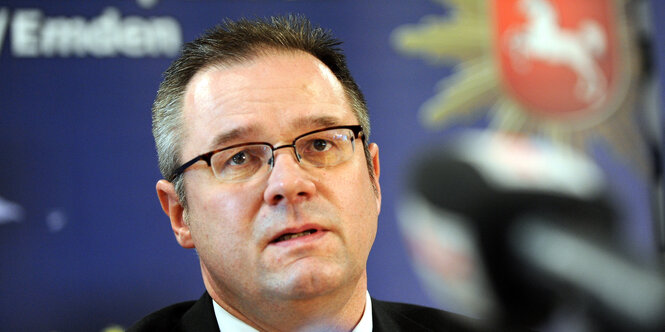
(313, 280)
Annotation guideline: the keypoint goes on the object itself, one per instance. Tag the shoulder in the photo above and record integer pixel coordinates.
(164, 319)
(393, 316)
(184, 316)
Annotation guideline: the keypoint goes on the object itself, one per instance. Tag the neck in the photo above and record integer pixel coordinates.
(339, 310)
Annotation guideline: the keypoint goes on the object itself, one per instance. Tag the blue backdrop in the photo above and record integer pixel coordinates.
(83, 241)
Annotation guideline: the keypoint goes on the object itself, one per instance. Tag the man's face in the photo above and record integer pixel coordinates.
(235, 226)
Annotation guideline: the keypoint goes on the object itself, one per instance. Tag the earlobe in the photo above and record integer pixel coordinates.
(174, 209)
(376, 169)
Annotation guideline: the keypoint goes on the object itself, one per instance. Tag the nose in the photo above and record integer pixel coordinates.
(288, 181)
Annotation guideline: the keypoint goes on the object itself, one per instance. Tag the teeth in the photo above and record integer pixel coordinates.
(293, 236)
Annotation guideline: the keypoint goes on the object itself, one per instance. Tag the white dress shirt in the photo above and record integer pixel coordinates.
(228, 322)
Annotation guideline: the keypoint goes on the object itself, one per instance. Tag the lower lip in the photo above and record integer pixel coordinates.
(301, 240)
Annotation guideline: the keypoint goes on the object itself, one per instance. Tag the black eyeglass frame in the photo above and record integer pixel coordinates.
(356, 129)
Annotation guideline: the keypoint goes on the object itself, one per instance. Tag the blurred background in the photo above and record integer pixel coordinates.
(84, 245)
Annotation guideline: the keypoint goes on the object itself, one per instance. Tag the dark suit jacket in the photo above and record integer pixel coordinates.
(199, 316)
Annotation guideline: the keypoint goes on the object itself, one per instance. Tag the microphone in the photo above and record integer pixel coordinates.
(512, 229)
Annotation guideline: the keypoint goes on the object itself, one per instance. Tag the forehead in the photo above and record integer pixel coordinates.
(270, 96)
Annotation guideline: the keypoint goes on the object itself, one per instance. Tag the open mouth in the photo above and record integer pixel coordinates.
(290, 236)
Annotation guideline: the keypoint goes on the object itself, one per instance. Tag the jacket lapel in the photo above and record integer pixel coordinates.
(200, 317)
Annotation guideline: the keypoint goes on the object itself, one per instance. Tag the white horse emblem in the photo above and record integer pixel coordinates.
(542, 38)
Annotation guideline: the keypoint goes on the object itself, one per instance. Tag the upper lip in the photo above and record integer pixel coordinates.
(294, 230)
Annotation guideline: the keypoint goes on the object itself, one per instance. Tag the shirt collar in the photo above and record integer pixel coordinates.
(228, 322)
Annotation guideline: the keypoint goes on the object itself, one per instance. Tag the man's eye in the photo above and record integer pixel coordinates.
(238, 159)
(320, 145)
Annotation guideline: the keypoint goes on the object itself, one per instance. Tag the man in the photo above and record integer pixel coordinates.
(263, 141)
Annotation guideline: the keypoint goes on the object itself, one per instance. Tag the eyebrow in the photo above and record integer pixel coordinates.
(316, 122)
(235, 134)
(308, 123)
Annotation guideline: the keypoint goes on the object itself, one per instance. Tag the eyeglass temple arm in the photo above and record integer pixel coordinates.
(205, 157)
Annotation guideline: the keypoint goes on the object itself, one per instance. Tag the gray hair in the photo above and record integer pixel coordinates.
(233, 42)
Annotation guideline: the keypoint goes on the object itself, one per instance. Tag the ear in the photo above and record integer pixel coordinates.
(172, 207)
(376, 169)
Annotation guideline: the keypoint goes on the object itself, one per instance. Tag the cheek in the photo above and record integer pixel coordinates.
(357, 200)
(222, 201)
(222, 227)
(222, 217)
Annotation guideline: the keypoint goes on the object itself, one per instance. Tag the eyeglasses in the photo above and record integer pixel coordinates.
(241, 162)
